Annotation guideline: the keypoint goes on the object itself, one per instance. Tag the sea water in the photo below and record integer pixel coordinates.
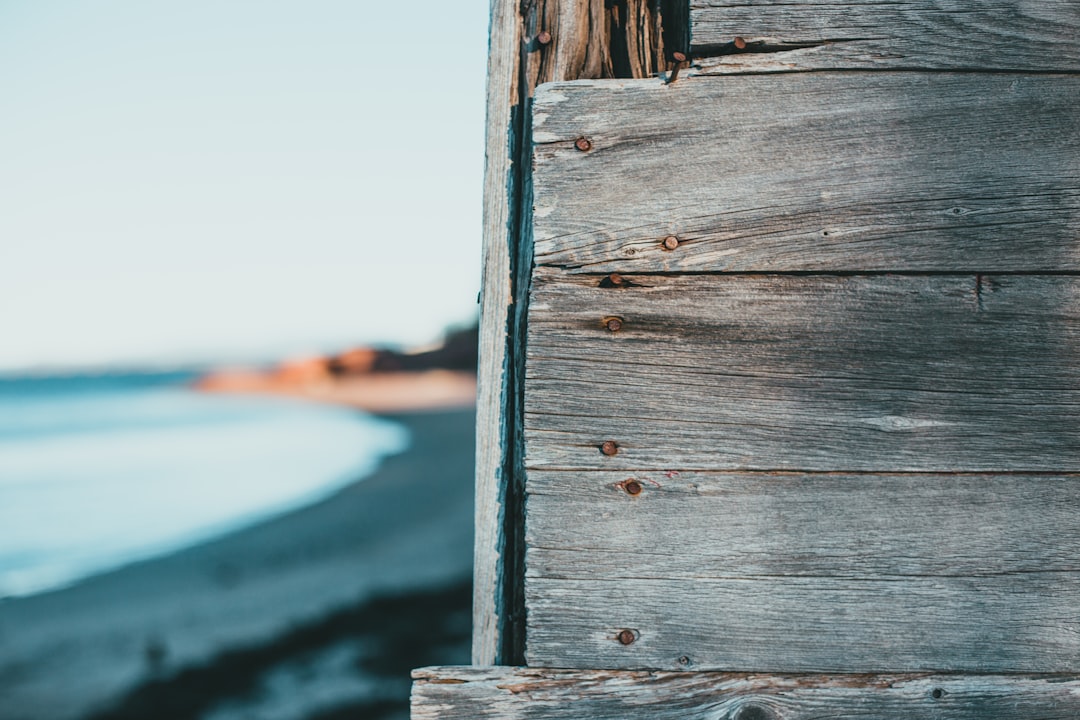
(100, 471)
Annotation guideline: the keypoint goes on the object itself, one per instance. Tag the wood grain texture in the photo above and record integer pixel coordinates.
(751, 525)
(502, 200)
(808, 624)
(826, 572)
(821, 373)
(810, 172)
(928, 34)
(540, 694)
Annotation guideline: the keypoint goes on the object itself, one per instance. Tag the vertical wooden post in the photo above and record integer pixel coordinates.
(529, 43)
(500, 238)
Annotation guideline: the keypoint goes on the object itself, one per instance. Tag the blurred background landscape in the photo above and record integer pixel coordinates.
(239, 266)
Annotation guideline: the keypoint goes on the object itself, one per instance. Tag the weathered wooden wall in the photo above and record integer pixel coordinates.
(797, 385)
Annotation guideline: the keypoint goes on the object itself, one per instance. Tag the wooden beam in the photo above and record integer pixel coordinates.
(783, 36)
(810, 172)
(538, 694)
(500, 237)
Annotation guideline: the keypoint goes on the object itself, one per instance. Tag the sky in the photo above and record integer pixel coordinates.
(229, 180)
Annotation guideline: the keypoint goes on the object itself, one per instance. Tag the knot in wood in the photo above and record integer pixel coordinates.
(754, 712)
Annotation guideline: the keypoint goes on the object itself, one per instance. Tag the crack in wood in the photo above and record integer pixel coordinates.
(764, 46)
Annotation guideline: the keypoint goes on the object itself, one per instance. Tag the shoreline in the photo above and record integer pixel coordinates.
(405, 530)
(379, 393)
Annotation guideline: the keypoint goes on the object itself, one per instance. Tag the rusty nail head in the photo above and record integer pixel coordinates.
(544, 37)
(626, 637)
(671, 242)
(583, 144)
(740, 43)
(609, 448)
(633, 487)
(614, 324)
(615, 278)
(678, 56)
(684, 660)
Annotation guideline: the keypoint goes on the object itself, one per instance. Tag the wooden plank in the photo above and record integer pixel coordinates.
(927, 34)
(713, 525)
(493, 381)
(822, 373)
(540, 694)
(808, 624)
(826, 572)
(810, 172)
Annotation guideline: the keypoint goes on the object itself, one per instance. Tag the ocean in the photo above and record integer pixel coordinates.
(97, 471)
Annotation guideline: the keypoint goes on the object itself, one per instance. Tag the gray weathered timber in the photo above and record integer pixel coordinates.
(824, 373)
(753, 525)
(540, 694)
(825, 572)
(493, 389)
(880, 34)
(810, 172)
(1021, 623)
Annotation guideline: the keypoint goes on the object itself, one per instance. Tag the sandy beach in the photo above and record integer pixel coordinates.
(319, 613)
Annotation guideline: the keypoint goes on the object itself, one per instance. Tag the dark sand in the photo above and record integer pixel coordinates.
(319, 613)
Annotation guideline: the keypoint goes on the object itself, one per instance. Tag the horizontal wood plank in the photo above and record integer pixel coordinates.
(810, 172)
(928, 34)
(821, 373)
(827, 572)
(541, 694)
(796, 624)
(687, 526)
